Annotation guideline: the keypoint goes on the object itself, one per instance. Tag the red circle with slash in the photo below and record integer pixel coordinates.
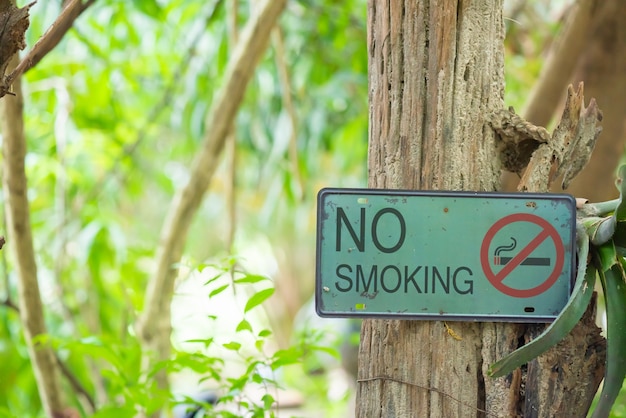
(547, 231)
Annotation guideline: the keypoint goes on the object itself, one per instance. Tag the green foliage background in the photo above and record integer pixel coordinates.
(113, 117)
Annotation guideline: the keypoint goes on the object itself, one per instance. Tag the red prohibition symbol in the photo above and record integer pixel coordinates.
(547, 231)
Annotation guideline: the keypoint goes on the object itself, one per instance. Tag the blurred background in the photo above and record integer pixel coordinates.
(113, 117)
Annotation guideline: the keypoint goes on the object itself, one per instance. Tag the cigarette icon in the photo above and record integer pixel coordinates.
(498, 260)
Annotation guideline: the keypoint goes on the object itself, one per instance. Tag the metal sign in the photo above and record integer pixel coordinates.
(444, 255)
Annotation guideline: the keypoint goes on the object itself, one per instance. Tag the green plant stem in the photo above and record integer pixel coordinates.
(600, 208)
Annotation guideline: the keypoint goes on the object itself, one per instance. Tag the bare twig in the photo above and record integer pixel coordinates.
(47, 42)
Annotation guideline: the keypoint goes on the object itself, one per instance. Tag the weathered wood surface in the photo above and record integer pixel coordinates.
(436, 74)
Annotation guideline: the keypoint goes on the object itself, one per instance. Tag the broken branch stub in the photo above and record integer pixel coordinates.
(578, 153)
(547, 157)
(14, 22)
(518, 139)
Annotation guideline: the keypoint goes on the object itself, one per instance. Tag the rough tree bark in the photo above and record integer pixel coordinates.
(436, 75)
(154, 325)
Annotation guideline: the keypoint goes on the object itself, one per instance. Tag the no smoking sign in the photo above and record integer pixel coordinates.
(444, 255)
(519, 273)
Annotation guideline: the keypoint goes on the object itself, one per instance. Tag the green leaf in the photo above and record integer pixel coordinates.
(563, 324)
(605, 256)
(251, 278)
(286, 357)
(268, 401)
(218, 290)
(207, 342)
(328, 350)
(237, 385)
(149, 8)
(244, 326)
(265, 333)
(258, 298)
(614, 286)
(214, 278)
(96, 349)
(600, 230)
(233, 345)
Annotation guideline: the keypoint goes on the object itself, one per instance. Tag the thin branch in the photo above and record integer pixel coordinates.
(154, 325)
(231, 147)
(75, 383)
(231, 142)
(47, 42)
(283, 73)
(10, 304)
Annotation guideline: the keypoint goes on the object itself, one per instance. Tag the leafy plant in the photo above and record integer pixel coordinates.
(250, 389)
(254, 391)
(601, 241)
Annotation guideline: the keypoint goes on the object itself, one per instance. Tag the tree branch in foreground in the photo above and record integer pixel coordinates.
(154, 324)
(15, 190)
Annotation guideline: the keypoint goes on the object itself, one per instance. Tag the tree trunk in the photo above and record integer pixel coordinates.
(436, 74)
